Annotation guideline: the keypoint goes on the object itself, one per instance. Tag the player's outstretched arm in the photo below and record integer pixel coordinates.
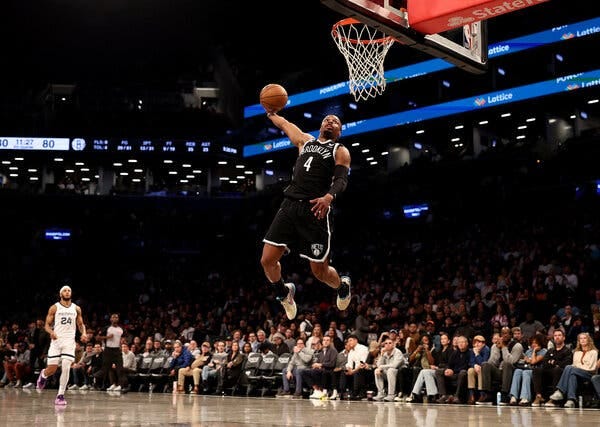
(293, 132)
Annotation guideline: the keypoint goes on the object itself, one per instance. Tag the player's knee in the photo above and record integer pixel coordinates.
(319, 270)
(267, 262)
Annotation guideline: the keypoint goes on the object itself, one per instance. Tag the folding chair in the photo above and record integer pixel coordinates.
(250, 375)
(273, 381)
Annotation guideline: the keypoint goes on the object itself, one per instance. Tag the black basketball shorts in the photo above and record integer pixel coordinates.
(297, 229)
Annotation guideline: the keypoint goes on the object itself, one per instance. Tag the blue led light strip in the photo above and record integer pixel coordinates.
(543, 38)
(568, 83)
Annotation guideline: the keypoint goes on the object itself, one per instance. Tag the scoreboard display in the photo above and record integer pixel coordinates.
(114, 145)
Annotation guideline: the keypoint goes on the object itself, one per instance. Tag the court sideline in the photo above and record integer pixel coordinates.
(36, 408)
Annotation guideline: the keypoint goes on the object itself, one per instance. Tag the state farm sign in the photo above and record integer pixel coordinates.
(436, 16)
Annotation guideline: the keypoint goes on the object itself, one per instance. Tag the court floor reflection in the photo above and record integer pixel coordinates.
(36, 408)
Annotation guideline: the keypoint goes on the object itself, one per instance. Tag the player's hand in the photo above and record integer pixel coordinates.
(321, 205)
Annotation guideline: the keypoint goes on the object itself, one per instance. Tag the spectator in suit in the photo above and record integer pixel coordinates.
(318, 376)
(39, 344)
(338, 375)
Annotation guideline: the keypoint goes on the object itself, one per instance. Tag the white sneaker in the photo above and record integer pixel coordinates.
(317, 394)
(513, 401)
(569, 404)
(84, 387)
(399, 398)
(344, 296)
(288, 302)
(28, 385)
(111, 388)
(73, 387)
(379, 397)
(19, 384)
(334, 395)
(557, 395)
(389, 398)
(117, 388)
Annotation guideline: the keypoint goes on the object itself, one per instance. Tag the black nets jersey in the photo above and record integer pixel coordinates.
(313, 170)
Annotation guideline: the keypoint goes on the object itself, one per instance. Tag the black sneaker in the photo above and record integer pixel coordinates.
(344, 296)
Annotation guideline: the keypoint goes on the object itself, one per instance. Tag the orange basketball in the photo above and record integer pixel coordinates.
(273, 97)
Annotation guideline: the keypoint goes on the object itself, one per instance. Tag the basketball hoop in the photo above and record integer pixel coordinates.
(364, 49)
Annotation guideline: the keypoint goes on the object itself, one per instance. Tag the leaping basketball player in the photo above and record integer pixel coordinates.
(61, 322)
(304, 219)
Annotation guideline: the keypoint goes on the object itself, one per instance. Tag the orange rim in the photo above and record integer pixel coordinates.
(350, 21)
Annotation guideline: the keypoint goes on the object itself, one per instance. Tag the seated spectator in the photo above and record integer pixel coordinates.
(356, 367)
(530, 326)
(301, 359)
(195, 368)
(212, 368)
(94, 368)
(318, 375)
(456, 370)
(386, 370)
(585, 360)
(558, 356)
(426, 377)
(503, 355)
(229, 374)
(338, 375)
(17, 366)
(129, 367)
(521, 382)
(420, 358)
(480, 353)
(278, 346)
(79, 379)
(148, 348)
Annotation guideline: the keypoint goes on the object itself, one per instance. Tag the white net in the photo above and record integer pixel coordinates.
(365, 49)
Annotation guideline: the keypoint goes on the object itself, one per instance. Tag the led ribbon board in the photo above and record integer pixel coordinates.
(466, 105)
(543, 38)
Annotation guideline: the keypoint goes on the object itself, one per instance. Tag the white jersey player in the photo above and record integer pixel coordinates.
(62, 322)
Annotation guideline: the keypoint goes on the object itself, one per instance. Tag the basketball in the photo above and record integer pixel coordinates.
(273, 97)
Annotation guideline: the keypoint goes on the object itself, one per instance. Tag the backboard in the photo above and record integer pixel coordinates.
(463, 42)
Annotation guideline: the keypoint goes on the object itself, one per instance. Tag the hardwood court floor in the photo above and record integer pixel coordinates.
(36, 408)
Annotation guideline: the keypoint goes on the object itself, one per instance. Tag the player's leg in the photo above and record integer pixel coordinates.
(316, 247)
(67, 358)
(51, 365)
(276, 241)
(329, 275)
(272, 267)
